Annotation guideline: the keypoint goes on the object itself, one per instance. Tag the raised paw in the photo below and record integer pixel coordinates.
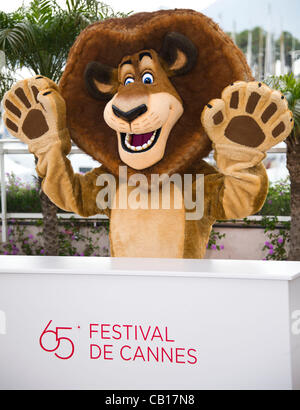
(33, 108)
(248, 114)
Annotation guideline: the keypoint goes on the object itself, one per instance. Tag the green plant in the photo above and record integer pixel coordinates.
(39, 36)
(71, 236)
(214, 239)
(21, 197)
(289, 85)
(278, 238)
(19, 242)
(278, 202)
(73, 241)
(6, 82)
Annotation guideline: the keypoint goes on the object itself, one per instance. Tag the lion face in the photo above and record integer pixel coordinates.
(145, 105)
(144, 110)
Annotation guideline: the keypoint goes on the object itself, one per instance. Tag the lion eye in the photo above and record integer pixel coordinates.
(148, 78)
(129, 80)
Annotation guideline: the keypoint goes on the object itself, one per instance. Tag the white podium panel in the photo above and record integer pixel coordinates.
(109, 323)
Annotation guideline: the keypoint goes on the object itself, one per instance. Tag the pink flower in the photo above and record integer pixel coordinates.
(280, 240)
(271, 252)
(214, 247)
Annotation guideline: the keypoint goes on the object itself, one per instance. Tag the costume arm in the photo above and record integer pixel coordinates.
(243, 125)
(238, 188)
(69, 191)
(35, 112)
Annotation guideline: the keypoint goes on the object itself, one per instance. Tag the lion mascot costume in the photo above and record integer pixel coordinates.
(152, 93)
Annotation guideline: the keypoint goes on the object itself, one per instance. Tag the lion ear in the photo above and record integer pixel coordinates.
(179, 53)
(101, 80)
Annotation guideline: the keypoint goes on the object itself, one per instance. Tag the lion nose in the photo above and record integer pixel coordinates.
(131, 115)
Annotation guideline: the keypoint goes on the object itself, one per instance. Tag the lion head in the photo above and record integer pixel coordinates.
(135, 88)
(143, 105)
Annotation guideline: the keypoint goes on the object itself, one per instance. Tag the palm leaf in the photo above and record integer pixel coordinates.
(15, 38)
(40, 36)
(296, 112)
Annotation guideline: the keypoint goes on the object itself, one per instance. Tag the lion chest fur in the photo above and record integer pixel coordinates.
(147, 232)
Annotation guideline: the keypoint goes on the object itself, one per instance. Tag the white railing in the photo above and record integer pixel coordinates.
(24, 150)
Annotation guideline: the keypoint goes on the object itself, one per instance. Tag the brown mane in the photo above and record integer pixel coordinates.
(219, 64)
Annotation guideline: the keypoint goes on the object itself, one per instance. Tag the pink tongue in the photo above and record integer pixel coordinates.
(138, 140)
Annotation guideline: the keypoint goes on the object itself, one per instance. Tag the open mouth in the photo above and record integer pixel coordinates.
(139, 142)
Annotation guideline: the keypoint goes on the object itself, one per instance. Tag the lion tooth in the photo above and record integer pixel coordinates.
(139, 148)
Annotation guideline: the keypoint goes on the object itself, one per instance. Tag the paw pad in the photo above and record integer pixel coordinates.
(249, 114)
(25, 115)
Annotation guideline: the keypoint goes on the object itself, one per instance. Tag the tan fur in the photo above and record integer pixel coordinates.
(180, 61)
(104, 88)
(267, 97)
(144, 233)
